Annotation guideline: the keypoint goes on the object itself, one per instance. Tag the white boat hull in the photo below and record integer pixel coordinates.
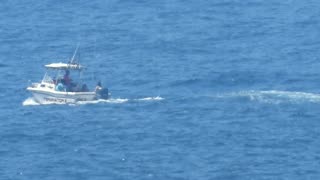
(45, 96)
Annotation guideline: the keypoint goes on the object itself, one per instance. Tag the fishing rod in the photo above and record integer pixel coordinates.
(74, 54)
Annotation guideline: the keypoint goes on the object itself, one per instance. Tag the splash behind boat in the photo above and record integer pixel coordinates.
(57, 87)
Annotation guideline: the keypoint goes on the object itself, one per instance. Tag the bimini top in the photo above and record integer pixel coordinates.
(64, 66)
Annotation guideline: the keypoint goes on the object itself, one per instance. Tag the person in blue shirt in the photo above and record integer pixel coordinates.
(60, 86)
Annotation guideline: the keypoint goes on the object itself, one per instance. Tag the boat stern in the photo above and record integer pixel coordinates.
(102, 93)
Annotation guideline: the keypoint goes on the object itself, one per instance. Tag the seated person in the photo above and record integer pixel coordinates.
(60, 86)
(84, 88)
(74, 87)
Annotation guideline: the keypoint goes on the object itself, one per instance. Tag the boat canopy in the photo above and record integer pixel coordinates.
(64, 66)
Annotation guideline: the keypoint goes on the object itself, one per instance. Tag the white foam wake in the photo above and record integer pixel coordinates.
(276, 97)
(30, 102)
(158, 98)
(111, 100)
(120, 100)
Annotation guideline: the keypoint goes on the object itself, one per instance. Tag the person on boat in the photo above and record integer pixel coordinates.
(75, 88)
(60, 86)
(66, 77)
(98, 87)
(101, 93)
(67, 80)
(84, 88)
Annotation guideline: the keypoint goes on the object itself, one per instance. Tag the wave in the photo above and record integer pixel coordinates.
(30, 101)
(275, 97)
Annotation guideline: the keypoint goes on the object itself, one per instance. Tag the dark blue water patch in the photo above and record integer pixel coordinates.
(3, 65)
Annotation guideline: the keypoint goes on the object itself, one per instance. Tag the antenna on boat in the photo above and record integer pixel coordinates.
(74, 54)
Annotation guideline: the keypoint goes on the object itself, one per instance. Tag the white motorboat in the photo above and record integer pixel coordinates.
(57, 87)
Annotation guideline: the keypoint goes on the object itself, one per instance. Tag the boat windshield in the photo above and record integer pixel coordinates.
(52, 76)
(48, 78)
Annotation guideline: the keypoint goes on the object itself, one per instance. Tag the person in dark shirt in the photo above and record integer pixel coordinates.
(67, 80)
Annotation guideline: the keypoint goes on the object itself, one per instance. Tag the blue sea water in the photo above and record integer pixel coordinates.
(202, 89)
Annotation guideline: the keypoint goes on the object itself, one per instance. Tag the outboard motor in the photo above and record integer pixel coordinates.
(102, 93)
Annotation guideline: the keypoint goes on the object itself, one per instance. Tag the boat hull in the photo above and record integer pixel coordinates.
(57, 97)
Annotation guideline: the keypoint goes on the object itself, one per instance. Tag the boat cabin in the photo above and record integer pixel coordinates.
(64, 77)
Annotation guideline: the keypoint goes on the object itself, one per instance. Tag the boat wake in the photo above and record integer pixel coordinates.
(274, 96)
(111, 100)
(158, 98)
(31, 102)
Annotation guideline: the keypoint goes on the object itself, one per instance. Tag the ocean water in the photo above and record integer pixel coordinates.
(202, 89)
